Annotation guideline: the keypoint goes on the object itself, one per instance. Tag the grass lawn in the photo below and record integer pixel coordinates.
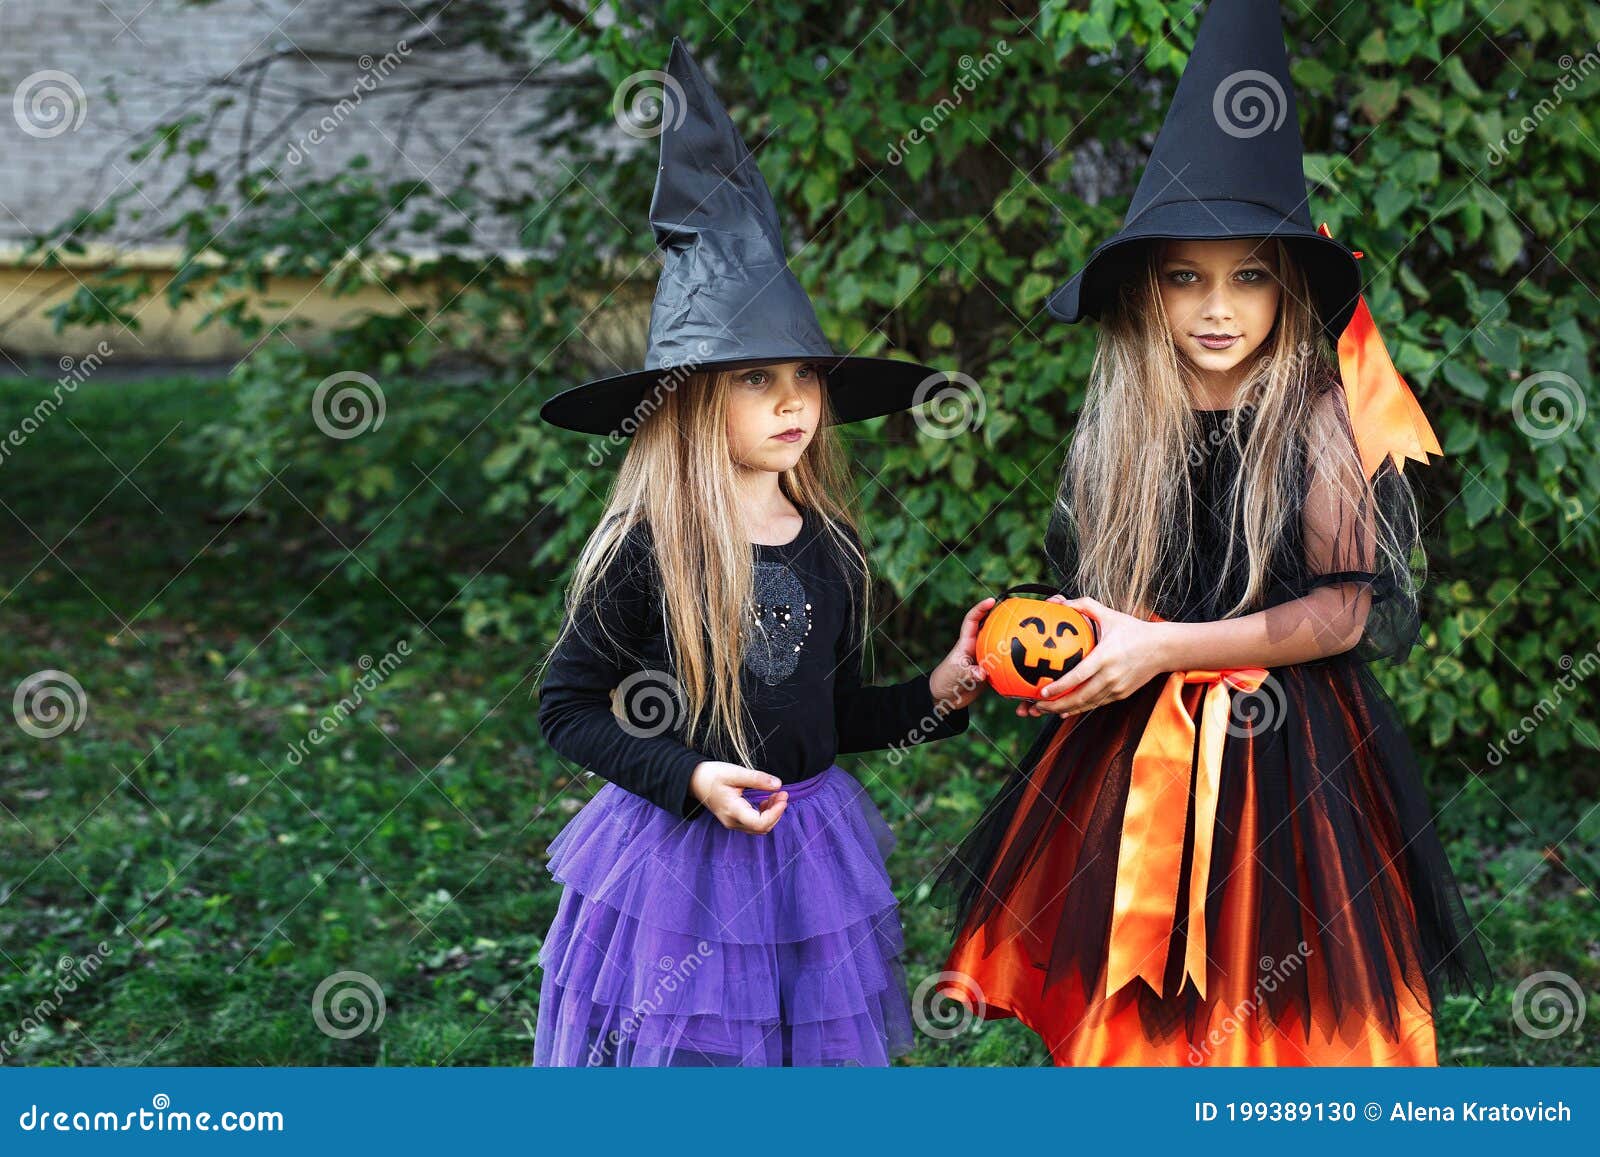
(230, 866)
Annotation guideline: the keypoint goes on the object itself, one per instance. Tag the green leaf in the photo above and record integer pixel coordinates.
(501, 459)
(1461, 375)
(1377, 99)
(1505, 243)
(1391, 201)
(1478, 501)
(839, 141)
(1035, 287)
(817, 189)
(919, 160)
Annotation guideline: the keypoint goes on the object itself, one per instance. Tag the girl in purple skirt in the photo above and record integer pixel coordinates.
(725, 898)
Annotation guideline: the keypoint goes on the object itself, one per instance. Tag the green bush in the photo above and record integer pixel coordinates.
(456, 518)
(1452, 142)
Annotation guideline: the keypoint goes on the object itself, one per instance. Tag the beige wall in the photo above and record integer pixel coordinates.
(27, 294)
(107, 72)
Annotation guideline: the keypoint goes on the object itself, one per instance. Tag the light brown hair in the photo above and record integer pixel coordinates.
(1126, 489)
(678, 479)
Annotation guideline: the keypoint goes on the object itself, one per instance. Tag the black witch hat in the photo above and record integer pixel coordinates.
(726, 296)
(1227, 163)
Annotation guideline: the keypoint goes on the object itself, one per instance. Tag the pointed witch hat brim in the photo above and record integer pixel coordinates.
(858, 388)
(1330, 268)
(726, 296)
(1228, 163)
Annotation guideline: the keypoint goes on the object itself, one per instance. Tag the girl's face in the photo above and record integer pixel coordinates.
(1220, 300)
(773, 413)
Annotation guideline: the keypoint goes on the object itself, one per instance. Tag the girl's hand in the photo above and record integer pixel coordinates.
(720, 786)
(1129, 654)
(958, 679)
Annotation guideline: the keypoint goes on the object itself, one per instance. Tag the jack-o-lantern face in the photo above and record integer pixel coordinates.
(1036, 654)
(1028, 643)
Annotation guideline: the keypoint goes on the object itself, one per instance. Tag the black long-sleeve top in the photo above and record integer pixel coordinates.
(805, 700)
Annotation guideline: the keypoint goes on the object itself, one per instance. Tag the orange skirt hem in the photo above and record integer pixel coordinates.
(1109, 1031)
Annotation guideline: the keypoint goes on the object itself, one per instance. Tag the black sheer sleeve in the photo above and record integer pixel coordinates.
(1361, 537)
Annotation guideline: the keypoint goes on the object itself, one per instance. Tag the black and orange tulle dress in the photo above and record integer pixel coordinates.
(1224, 868)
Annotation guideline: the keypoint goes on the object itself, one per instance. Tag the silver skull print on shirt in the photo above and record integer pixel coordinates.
(780, 620)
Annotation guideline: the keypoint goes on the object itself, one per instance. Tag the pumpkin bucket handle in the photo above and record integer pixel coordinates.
(1046, 591)
(1029, 589)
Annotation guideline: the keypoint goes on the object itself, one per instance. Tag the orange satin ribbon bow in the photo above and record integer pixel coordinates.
(1151, 852)
(1384, 413)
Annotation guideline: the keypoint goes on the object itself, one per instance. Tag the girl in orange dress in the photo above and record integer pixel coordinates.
(1220, 850)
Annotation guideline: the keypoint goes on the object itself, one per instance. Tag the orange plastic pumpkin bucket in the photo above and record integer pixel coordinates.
(1026, 644)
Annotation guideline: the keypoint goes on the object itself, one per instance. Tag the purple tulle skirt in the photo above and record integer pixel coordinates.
(679, 942)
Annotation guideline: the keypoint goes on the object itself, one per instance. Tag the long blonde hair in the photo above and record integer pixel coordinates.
(678, 480)
(1126, 491)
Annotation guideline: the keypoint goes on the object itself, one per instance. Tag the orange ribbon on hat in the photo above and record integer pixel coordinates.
(1384, 413)
(1150, 855)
